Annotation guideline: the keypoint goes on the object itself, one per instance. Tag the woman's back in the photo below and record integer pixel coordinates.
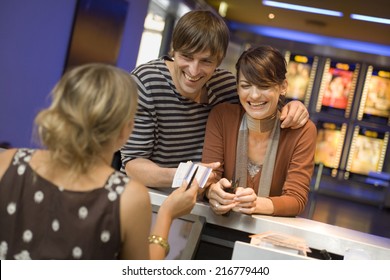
(67, 202)
(40, 220)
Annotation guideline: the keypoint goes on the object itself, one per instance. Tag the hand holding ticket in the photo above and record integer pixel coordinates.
(185, 170)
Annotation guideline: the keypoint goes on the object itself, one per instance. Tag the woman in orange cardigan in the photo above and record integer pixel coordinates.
(273, 165)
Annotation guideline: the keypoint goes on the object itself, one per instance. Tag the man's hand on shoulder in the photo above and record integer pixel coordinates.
(294, 115)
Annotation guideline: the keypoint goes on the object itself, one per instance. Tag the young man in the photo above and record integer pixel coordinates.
(176, 95)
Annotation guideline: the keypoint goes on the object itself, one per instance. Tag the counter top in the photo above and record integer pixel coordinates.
(317, 235)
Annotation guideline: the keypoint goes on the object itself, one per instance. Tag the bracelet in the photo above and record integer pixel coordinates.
(155, 239)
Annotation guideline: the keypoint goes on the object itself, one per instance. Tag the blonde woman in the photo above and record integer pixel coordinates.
(66, 201)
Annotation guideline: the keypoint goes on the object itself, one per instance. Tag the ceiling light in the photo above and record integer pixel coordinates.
(302, 8)
(223, 6)
(371, 19)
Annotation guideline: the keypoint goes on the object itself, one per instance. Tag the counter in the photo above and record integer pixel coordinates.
(318, 235)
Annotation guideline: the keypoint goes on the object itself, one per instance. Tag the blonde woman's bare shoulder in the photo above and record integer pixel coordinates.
(135, 195)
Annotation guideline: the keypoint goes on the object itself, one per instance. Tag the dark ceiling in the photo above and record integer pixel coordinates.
(254, 12)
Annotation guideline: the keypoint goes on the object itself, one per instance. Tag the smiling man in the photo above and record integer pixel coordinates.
(176, 94)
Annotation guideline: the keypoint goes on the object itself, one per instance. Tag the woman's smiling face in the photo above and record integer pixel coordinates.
(259, 103)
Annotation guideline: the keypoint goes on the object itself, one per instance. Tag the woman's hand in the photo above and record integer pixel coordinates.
(249, 203)
(221, 201)
(246, 200)
(181, 201)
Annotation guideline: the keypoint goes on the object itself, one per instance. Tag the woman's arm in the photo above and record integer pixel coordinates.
(292, 183)
(220, 146)
(177, 204)
(135, 219)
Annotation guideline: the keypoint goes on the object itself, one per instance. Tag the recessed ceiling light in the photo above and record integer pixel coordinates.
(302, 8)
(271, 16)
(223, 6)
(371, 19)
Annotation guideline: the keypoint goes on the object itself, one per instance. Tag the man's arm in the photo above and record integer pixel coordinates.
(149, 173)
(137, 151)
(294, 115)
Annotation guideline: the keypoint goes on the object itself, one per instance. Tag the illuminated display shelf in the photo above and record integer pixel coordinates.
(338, 85)
(375, 101)
(353, 133)
(301, 71)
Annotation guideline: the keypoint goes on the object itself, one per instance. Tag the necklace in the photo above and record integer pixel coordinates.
(253, 168)
(264, 125)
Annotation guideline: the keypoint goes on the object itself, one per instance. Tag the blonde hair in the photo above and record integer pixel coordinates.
(90, 105)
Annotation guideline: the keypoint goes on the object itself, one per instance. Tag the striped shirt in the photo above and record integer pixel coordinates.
(170, 128)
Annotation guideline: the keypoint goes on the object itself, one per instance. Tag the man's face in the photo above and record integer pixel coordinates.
(192, 71)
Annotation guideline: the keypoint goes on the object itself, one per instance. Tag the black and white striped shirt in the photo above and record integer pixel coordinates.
(170, 128)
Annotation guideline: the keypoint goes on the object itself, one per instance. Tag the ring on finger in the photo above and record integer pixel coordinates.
(216, 205)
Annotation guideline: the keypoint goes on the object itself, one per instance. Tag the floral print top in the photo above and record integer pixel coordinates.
(39, 220)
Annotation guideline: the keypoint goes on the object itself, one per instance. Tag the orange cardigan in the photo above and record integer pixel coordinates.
(294, 162)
